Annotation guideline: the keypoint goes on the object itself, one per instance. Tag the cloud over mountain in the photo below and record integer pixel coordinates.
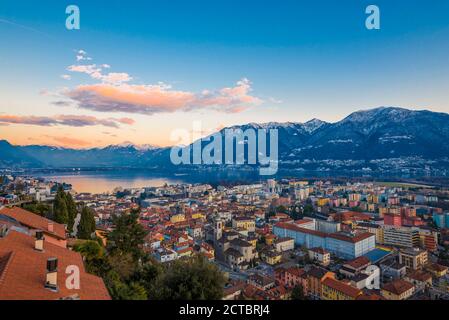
(65, 120)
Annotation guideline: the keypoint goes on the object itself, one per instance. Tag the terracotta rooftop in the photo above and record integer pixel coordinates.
(352, 215)
(317, 272)
(294, 227)
(295, 271)
(353, 239)
(436, 267)
(420, 276)
(398, 287)
(342, 287)
(23, 271)
(34, 221)
(373, 296)
(358, 262)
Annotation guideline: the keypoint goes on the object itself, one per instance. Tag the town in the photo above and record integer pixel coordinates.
(287, 239)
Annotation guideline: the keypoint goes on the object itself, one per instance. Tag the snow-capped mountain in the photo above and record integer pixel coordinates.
(364, 139)
(130, 145)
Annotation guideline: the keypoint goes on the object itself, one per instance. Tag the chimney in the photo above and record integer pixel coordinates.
(50, 226)
(51, 281)
(39, 242)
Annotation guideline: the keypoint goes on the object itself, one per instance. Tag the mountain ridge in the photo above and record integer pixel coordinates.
(361, 140)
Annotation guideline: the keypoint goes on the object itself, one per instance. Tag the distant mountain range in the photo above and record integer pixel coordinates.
(385, 138)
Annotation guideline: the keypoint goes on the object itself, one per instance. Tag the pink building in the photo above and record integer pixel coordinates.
(391, 219)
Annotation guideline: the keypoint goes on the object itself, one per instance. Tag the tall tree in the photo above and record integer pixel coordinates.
(39, 208)
(128, 235)
(87, 225)
(72, 211)
(121, 290)
(298, 293)
(60, 211)
(191, 279)
(94, 256)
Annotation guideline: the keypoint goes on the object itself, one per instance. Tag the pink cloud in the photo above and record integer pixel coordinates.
(150, 99)
(128, 121)
(96, 72)
(64, 120)
(114, 93)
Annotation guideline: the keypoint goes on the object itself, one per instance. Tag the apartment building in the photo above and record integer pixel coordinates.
(333, 289)
(414, 259)
(401, 236)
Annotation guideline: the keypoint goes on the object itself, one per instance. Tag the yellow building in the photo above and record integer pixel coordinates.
(244, 223)
(177, 218)
(272, 257)
(269, 239)
(332, 289)
(373, 198)
(437, 270)
(323, 201)
(187, 252)
(398, 290)
(315, 278)
(253, 241)
(198, 215)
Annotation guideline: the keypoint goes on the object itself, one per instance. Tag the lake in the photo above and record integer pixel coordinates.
(100, 182)
(106, 180)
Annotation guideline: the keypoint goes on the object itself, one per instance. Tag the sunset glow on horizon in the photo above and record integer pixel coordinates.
(138, 77)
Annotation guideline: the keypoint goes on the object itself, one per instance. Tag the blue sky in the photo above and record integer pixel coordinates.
(302, 59)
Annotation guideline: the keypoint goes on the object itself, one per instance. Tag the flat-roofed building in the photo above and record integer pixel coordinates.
(414, 259)
(321, 255)
(284, 244)
(401, 237)
(344, 245)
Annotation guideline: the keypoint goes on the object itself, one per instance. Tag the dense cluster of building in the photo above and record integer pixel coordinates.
(325, 240)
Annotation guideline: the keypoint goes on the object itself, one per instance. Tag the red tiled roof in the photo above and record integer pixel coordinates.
(351, 215)
(342, 287)
(185, 250)
(419, 276)
(22, 276)
(353, 239)
(436, 267)
(398, 287)
(235, 287)
(295, 271)
(303, 221)
(34, 221)
(370, 297)
(358, 262)
(294, 227)
(5, 258)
